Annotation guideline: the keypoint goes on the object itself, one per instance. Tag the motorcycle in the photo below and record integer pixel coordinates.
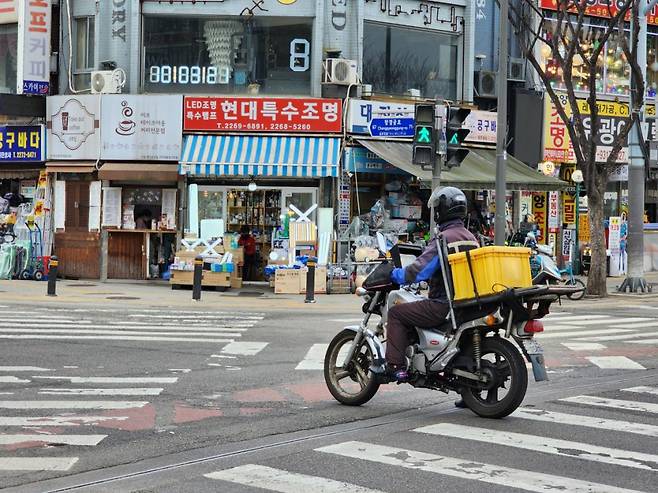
(543, 268)
(470, 352)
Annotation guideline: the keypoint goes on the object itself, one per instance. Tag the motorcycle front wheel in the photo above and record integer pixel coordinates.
(579, 295)
(353, 384)
(505, 368)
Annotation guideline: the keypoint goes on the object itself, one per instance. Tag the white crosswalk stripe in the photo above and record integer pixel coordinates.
(578, 332)
(586, 421)
(137, 326)
(642, 390)
(584, 346)
(546, 445)
(645, 407)
(244, 348)
(314, 359)
(466, 469)
(284, 482)
(32, 415)
(615, 362)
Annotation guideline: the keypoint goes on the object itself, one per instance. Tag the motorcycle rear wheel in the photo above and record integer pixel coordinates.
(355, 384)
(507, 371)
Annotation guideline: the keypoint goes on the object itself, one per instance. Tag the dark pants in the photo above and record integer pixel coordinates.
(401, 322)
(249, 267)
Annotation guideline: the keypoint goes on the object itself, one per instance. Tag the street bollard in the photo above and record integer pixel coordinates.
(310, 282)
(198, 276)
(52, 276)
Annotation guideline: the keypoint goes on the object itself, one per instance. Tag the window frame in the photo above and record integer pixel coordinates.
(89, 46)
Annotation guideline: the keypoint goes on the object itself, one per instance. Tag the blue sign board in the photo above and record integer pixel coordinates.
(392, 127)
(361, 160)
(36, 87)
(22, 143)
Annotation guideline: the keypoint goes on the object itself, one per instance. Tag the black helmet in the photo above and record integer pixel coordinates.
(449, 203)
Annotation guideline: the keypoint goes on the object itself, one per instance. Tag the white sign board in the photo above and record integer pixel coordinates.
(553, 210)
(614, 235)
(142, 128)
(618, 173)
(8, 12)
(568, 236)
(33, 60)
(482, 125)
(380, 118)
(73, 127)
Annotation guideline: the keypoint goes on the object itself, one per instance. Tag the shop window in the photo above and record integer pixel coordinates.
(8, 43)
(211, 207)
(84, 35)
(396, 59)
(268, 55)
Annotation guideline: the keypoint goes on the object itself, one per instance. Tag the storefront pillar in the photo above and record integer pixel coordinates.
(104, 254)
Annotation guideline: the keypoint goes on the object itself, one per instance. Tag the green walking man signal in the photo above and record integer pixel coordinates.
(424, 135)
(455, 135)
(424, 145)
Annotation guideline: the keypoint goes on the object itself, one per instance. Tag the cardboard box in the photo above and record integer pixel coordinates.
(286, 281)
(320, 280)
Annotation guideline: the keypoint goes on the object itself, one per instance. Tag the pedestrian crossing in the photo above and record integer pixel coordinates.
(39, 416)
(144, 327)
(561, 455)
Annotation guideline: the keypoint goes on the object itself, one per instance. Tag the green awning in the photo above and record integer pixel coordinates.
(477, 171)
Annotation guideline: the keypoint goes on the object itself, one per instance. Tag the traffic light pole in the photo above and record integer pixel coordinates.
(436, 181)
(501, 130)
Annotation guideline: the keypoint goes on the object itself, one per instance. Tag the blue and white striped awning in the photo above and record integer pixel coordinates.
(253, 155)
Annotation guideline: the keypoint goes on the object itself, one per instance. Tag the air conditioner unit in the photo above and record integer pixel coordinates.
(339, 71)
(105, 82)
(486, 84)
(516, 70)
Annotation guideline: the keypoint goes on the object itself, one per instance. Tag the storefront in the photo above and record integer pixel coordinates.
(23, 202)
(252, 182)
(116, 183)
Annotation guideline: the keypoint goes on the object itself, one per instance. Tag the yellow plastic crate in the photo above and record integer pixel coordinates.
(494, 269)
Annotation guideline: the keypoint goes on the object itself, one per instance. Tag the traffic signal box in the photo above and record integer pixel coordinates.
(455, 135)
(424, 148)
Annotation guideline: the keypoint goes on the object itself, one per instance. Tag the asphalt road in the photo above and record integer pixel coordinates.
(146, 399)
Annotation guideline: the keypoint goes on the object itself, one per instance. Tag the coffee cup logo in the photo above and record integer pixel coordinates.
(126, 126)
(65, 121)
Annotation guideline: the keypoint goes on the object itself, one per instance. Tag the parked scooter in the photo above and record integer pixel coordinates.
(543, 267)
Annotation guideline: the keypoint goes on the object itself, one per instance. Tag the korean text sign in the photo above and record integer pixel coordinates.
(8, 12)
(144, 127)
(24, 143)
(263, 114)
(33, 67)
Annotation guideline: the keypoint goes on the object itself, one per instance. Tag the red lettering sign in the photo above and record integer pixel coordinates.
(600, 8)
(293, 115)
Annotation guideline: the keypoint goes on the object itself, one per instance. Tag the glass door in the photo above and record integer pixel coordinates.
(302, 199)
(212, 211)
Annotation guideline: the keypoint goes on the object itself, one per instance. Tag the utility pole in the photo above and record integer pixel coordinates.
(501, 132)
(636, 174)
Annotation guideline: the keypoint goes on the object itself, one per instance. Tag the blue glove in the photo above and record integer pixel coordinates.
(397, 276)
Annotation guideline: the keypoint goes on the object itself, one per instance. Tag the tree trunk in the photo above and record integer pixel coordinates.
(596, 282)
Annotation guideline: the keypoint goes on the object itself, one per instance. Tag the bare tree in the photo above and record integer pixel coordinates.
(529, 23)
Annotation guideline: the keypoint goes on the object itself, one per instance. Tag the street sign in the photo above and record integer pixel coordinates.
(392, 127)
(424, 145)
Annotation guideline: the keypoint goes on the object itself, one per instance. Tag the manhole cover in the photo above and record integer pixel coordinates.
(121, 298)
(82, 285)
(253, 294)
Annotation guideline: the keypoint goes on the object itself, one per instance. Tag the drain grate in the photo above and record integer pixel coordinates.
(122, 298)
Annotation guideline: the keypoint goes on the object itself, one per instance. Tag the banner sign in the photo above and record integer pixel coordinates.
(568, 236)
(601, 8)
(73, 127)
(361, 160)
(140, 127)
(612, 118)
(482, 125)
(539, 211)
(8, 12)
(263, 114)
(33, 60)
(614, 235)
(553, 211)
(569, 211)
(22, 144)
